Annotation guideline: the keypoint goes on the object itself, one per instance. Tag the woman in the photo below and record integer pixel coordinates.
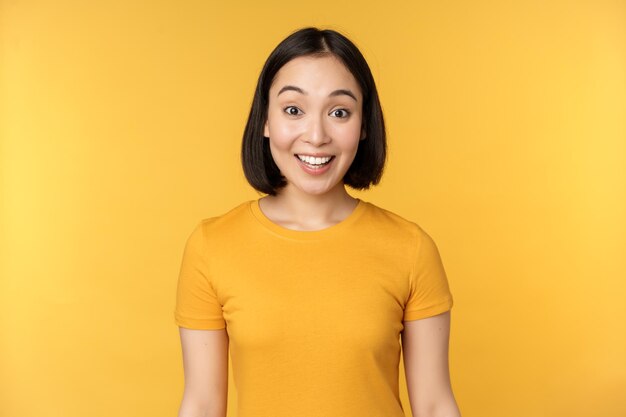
(310, 288)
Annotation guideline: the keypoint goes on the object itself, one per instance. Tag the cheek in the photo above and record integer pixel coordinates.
(280, 145)
(282, 130)
(277, 150)
(348, 134)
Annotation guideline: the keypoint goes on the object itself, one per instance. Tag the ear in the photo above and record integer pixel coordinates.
(266, 130)
(363, 133)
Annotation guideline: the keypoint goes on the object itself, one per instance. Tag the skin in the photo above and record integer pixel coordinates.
(205, 363)
(312, 122)
(317, 122)
(425, 345)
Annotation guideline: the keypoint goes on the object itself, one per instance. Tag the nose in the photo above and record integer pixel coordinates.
(316, 131)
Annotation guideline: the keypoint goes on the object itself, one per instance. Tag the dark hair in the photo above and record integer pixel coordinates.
(258, 165)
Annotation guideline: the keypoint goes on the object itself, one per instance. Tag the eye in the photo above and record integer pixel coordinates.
(290, 110)
(346, 113)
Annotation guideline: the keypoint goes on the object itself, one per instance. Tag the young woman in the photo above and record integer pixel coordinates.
(311, 289)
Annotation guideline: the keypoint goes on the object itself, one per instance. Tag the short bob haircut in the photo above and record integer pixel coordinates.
(258, 165)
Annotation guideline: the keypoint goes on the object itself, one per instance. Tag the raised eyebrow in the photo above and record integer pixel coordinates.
(291, 88)
(339, 92)
(343, 92)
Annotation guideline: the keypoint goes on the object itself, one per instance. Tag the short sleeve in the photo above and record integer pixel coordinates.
(197, 306)
(429, 292)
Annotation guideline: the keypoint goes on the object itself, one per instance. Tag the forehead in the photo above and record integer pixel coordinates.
(315, 73)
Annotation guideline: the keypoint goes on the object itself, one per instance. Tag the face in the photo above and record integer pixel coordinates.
(314, 112)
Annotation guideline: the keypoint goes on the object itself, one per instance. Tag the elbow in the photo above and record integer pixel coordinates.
(448, 409)
(192, 409)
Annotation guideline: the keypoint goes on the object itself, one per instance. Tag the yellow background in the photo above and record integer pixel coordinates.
(121, 125)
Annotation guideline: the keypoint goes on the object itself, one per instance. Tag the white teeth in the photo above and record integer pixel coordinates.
(314, 161)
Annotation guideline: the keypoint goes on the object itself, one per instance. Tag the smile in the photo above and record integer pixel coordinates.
(315, 161)
(314, 166)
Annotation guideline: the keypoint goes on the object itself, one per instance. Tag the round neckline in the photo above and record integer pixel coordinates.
(306, 234)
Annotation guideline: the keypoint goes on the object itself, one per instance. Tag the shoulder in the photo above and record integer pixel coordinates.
(391, 222)
(225, 222)
(226, 217)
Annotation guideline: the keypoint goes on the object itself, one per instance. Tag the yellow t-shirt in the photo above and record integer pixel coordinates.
(313, 317)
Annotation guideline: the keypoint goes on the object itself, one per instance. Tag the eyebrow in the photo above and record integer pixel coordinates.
(339, 92)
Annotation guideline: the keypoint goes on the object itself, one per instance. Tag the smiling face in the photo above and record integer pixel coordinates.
(315, 110)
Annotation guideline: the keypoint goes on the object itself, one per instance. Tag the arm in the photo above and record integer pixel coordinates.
(425, 350)
(205, 362)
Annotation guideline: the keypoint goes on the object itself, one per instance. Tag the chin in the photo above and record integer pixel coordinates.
(312, 190)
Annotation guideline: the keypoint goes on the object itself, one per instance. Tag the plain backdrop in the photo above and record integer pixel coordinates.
(121, 124)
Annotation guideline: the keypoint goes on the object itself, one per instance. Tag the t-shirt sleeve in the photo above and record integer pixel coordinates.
(429, 292)
(197, 306)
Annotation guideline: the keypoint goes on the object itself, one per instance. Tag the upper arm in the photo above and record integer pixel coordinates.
(205, 362)
(425, 350)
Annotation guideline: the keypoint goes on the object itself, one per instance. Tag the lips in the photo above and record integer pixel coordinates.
(314, 155)
(330, 158)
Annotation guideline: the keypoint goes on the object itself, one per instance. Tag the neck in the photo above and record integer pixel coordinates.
(308, 211)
